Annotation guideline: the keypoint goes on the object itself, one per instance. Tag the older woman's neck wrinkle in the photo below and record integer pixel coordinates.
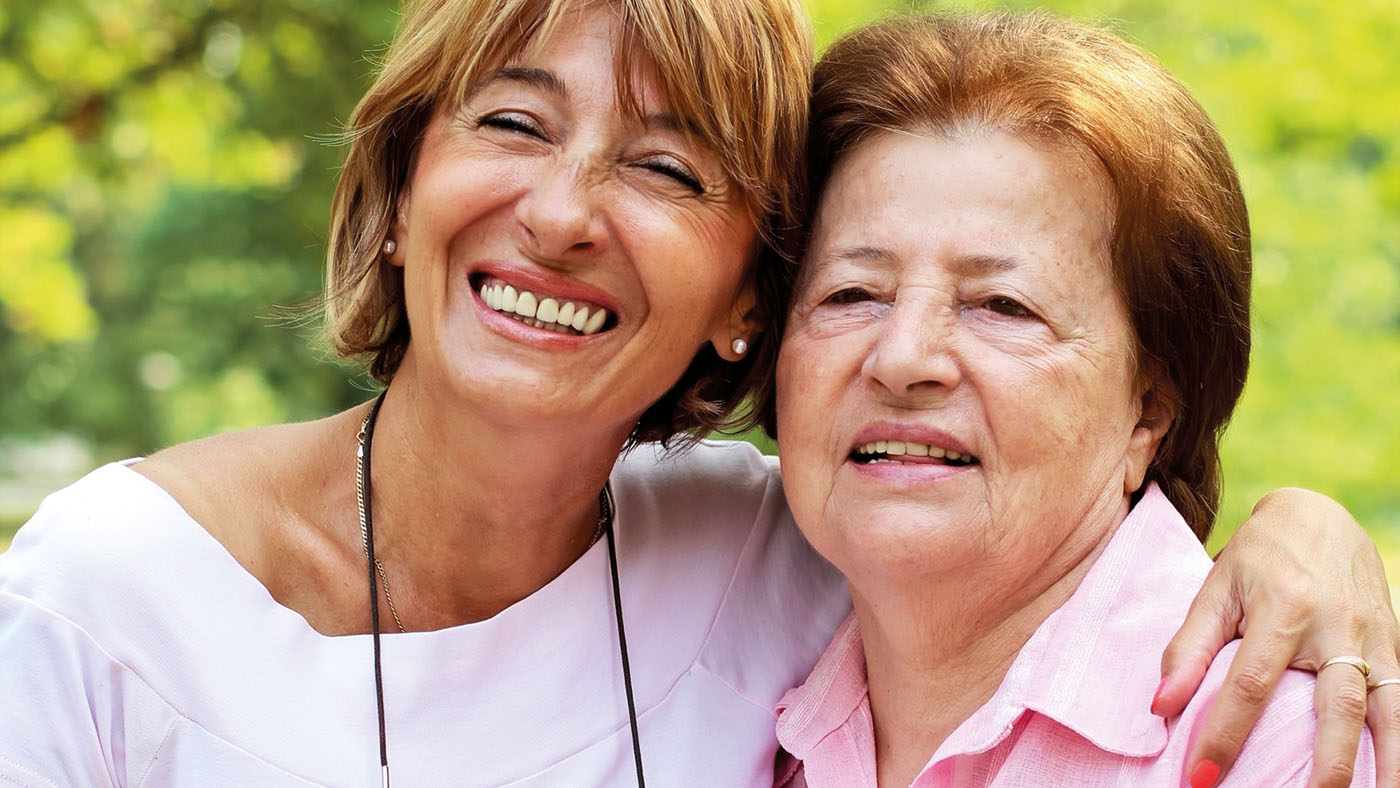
(936, 652)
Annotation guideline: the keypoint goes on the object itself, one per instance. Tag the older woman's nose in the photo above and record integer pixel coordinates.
(913, 354)
(560, 215)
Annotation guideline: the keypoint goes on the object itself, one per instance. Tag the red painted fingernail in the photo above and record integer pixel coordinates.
(1205, 774)
(1157, 696)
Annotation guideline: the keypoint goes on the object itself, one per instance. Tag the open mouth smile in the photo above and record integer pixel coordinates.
(910, 453)
(569, 316)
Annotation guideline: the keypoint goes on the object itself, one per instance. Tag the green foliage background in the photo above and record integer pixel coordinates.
(164, 188)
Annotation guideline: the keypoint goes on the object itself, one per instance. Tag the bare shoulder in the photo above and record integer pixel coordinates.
(233, 483)
(277, 499)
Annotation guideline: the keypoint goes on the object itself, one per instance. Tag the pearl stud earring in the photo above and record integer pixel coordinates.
(739, 346)
(390, 246)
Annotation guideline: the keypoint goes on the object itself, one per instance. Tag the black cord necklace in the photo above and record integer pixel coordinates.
(362, 494)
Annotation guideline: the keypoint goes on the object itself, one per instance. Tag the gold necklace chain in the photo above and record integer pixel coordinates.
(604, 516)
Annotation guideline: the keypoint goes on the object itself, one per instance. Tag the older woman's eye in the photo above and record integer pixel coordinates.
(1008, 307)
(512, 121)
(675, 171)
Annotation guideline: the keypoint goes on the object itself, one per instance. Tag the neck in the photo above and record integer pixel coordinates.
(472, 516)
(935, 653)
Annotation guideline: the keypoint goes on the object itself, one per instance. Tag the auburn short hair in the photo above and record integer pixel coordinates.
(1180, 240)
(737, 72)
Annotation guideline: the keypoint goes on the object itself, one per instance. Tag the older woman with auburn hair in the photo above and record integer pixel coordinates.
(1021, 324)
(549, 242)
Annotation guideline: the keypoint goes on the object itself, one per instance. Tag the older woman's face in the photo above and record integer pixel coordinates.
(563, 259)
(957, 381)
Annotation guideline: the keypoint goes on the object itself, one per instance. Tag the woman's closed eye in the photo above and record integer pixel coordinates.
(517, 122)
(673, 169)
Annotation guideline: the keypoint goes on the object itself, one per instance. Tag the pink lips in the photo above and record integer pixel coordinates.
(915, 433)
(907, 473)
(534, 281)
(557, 286)
(905, 470)
(530, 335)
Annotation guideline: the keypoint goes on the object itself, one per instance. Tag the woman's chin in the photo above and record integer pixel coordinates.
(900, 538)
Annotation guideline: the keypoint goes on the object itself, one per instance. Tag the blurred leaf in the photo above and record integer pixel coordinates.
(160, 196)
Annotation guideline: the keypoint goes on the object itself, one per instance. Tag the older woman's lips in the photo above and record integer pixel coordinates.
(910, 451)
(908, 461)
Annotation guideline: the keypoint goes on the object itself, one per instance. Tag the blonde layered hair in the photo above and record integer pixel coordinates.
(738, 73)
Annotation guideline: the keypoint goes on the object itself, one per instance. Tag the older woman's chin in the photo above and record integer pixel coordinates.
(897, 543)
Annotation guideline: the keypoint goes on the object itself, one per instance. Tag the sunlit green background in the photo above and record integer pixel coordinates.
(164, 187)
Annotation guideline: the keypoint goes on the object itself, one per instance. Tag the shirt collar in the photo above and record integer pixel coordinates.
(829, 697)
(1092, 666)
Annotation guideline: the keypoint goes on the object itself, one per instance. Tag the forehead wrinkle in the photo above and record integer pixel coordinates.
(540, 78)
(674, 124)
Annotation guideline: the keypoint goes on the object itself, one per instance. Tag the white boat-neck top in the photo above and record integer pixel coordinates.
(135, 651)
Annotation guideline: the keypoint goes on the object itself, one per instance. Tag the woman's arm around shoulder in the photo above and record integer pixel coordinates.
(1279, 750)
(1302, 582)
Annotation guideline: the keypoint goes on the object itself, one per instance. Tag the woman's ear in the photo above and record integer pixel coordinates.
(734, 339)
(1157, 409)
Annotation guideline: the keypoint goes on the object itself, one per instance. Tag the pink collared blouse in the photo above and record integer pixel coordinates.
(1073, 709)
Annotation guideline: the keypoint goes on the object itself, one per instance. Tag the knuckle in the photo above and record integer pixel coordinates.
(1351, 619)
(1295, 601)
(1347, 702)
(1251, 687)
(1337, 773)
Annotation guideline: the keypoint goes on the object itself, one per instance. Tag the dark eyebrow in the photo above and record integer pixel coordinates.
(988, 263)
(866, 254)
(534, 77)
(873, 254)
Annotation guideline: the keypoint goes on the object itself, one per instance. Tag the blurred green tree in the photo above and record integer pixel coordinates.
(162, 191)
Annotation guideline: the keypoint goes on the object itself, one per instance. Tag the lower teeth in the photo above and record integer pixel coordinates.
(537, 323)
(869, 458)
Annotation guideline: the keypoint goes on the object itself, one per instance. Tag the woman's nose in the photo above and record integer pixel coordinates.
(560, 215)
(913, 356)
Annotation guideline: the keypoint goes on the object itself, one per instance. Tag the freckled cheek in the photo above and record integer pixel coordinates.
(1047, 413)
(815, 397)
(800, 395)
(684, 263)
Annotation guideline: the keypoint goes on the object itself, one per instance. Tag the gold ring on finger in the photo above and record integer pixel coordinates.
(1355, 662)
(1381, 683)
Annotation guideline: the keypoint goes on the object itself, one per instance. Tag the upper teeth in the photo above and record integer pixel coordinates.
(548, 312)
(910, 447)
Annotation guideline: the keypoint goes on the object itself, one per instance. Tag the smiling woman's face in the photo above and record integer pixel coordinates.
(562, 259)
(957, 381)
